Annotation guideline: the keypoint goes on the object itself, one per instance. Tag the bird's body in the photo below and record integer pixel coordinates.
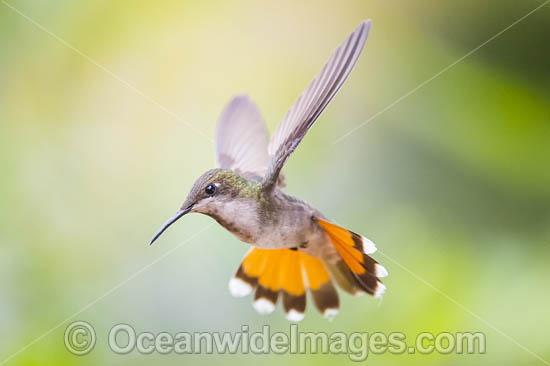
(273, 221)
(294, 247)
(266, 220)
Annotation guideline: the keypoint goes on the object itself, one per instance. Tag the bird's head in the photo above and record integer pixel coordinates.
(211, 192)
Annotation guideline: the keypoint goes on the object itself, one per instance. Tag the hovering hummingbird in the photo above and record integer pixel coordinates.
(294, 246)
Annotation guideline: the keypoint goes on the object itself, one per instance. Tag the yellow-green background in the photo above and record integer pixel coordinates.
(453, 182)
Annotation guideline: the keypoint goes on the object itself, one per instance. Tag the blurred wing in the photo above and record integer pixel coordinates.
(309, 105)
(241, 139)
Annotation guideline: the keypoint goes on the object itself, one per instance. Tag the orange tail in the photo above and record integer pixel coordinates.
(271, 272)
(354, 249)
(288, 273)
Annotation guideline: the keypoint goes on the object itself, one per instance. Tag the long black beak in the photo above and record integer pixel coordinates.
(173, 219)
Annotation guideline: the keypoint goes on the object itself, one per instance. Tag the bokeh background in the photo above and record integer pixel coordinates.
(452, 182)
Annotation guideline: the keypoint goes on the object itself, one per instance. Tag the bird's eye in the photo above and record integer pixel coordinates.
(210, 189)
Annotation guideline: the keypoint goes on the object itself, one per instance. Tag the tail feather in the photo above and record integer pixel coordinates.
(289, 274)
(326, 300)
(323, 293)
(269, 283)
(294, 306)
(354, 249)
(265, 300)
(285, 272)
(345, 280)
(292, 285)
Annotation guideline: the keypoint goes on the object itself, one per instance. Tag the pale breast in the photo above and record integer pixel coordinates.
(239, 218)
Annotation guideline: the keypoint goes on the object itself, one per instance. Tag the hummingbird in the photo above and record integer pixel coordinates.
(294, 248)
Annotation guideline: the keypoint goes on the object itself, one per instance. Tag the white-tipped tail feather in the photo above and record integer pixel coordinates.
(239, 288)
(368, 246)
(330, 313)
(380, 270)
(380, 289)
(264, 306)
(294, 316)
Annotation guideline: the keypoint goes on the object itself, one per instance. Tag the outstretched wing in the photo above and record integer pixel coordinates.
(241, 138)
(309, 105)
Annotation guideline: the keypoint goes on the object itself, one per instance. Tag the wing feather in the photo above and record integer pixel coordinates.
(311, 103)
(241, 138)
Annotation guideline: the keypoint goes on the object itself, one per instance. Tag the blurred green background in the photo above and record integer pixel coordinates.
(452, 182)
